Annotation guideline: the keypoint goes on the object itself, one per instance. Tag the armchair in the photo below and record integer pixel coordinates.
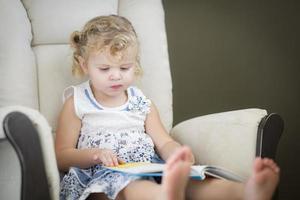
(35, 61)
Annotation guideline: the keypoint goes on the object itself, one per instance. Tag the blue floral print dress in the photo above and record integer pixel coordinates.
(120, 129)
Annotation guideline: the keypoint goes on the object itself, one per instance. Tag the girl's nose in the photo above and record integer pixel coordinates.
(115, 75)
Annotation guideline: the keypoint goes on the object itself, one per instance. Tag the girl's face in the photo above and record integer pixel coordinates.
(110, 76)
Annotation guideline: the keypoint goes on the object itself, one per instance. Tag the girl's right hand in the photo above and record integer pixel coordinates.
(106, 157)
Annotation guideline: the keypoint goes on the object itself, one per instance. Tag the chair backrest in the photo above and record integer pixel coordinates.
(35, 56)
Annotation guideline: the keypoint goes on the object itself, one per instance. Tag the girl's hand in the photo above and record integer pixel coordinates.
(106, 157)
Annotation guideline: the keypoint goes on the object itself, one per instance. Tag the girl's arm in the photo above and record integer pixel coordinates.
(66, 139)
(165, 145)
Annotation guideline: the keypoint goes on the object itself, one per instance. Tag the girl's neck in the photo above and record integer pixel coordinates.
(110, 101)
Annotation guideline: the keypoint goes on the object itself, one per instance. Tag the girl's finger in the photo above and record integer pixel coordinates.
(115, 161)
(120, 161)
(96, 159)
(104, 160)
(109, 161)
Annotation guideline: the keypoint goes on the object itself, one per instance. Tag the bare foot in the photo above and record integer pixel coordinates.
(262, 184)
(176, 175)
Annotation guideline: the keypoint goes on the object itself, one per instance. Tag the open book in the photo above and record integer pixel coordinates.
(198, 172)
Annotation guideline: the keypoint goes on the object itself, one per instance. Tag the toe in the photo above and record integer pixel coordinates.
(258, 164)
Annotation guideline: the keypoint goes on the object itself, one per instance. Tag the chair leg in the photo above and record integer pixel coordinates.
(24, 138)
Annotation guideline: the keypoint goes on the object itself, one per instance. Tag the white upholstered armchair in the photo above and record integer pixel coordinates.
(35, 61)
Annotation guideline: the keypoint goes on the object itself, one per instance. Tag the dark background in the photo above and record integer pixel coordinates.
(228, 55)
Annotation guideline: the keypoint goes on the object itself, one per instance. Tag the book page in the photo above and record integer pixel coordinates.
(223, 173)
(154, 169)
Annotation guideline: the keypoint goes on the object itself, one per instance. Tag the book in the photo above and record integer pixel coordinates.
(198, 172)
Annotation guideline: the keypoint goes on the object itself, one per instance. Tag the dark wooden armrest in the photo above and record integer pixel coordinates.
(24, 138)
(269, 132)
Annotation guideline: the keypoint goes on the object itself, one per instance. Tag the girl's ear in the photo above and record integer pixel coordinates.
(83, 64)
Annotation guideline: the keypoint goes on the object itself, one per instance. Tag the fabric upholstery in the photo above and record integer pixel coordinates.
(54, 75)
(223, 139)
(53, 21)
(17, 61)
(10, 187)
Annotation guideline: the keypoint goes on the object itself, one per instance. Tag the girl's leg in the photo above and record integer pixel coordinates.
(176, 175)
(141, 189)
(260, 186)
(212, 188)
(263, 182)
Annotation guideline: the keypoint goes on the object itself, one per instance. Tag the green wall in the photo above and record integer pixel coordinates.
(228, 55)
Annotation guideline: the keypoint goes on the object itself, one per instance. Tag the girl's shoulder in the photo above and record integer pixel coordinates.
(73, 90)
(135, 91)
(76, 94)
(138, 102)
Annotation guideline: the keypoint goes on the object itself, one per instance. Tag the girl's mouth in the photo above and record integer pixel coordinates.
(115, 87)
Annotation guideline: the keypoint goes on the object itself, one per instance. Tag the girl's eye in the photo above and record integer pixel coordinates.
(104, 69)
(124, 68)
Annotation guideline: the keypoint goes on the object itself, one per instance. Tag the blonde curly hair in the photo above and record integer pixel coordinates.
(113, 32)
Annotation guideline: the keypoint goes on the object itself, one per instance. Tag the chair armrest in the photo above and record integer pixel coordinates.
(225, 139)
(269, 132)
(27, 129)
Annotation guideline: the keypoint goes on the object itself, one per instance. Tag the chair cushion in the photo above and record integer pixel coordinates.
(226, 139)
(54, 62)
(18, 70)
(53, 21)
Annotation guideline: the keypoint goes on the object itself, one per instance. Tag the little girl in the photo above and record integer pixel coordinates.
(107, 121)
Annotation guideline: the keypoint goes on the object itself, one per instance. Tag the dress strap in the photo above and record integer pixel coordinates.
(86, 92)
(131, 89)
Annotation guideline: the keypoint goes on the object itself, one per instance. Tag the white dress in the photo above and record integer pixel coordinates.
(120, 129)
